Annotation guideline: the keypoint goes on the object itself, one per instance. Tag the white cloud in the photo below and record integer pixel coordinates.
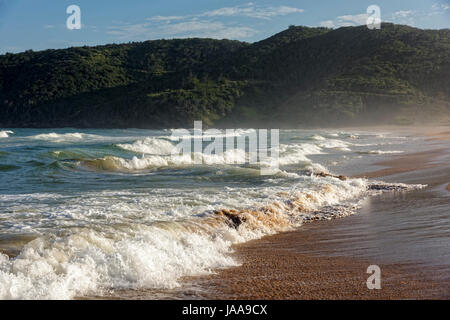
(207, 29)
(403, 13)
(201, 25)
(253, 11)
(192, 28)
(228, 12)
(399, 17)
(352, 20)
(346, 21)
(166, 18)
(250, 10)
(440, 7)
(327, 24)
(404, 17)
(129, 30)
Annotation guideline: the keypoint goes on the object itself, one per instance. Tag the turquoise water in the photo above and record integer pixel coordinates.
(87, 211)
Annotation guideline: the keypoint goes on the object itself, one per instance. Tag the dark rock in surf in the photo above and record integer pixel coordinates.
(234, 219)
(323, 175)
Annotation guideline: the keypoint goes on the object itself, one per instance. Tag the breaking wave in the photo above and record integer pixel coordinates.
(86, 261)
(5, 133)
(117, 164)
(65, 137)
(158, 151)
(150, 145)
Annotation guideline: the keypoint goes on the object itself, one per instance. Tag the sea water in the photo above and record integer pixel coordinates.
(83, 212)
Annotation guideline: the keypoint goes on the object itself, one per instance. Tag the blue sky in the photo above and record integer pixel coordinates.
(41, 24)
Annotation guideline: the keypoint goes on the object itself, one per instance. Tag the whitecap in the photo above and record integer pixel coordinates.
(5, 133)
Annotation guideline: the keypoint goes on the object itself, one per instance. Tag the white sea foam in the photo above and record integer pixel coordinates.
(135, 256)
(59, 136)
(318, 137)
(297, 153)
(87, 262)
(160, 146)
(335, 144)
(74, 137)
(5, 133)
(381, 152)
(157, 153)
(112, 163)
(150, 145)
(205, 135)
(157, 255)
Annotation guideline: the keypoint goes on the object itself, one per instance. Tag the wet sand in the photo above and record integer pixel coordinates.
(400, 164)
(327, 260)
(439, 135)
(274, 269)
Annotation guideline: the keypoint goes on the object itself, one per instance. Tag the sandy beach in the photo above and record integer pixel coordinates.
(318, 261)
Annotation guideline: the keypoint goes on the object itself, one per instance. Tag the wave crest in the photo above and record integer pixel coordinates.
(5, 133)
(149, 145)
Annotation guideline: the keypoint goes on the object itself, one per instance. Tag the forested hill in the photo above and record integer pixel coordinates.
(301, 76)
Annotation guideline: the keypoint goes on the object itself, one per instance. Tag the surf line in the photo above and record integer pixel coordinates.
(263, 148)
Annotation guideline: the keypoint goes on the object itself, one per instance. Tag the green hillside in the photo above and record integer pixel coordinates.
(301, 76)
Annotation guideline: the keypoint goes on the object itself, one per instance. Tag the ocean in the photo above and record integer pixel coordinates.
(87, 212)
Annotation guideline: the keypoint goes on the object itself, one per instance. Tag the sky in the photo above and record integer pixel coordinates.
(41, 24)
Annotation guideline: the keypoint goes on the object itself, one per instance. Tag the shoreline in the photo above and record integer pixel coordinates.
(296, 265)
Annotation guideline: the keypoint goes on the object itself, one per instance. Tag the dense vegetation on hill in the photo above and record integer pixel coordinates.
(301, 76)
